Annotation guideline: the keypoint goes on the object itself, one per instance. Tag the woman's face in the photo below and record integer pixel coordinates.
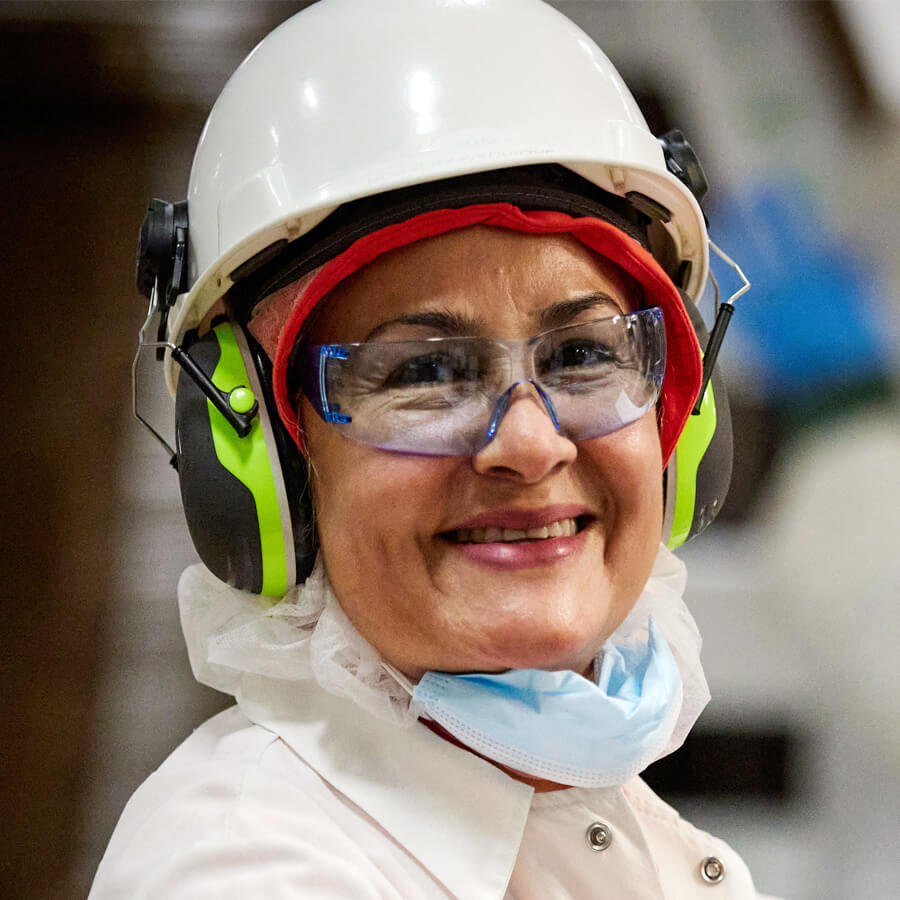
(426, 596)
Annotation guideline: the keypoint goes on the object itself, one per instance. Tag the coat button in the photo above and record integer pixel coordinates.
(599, 836)
(712, 870)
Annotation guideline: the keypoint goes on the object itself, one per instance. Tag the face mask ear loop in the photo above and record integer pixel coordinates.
(399, 677)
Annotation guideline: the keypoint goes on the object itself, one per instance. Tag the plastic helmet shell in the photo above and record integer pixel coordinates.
(347, 99)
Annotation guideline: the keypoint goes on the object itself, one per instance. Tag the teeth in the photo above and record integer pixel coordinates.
(560, 528)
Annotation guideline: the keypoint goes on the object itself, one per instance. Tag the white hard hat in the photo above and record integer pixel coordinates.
(348, 99)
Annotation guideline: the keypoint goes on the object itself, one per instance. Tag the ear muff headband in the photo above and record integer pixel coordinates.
(238, 509)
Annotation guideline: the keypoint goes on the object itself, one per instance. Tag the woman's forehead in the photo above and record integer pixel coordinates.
(478, 279)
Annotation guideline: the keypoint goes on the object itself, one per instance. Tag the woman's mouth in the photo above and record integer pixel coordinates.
(513, 539)
(538, 545)
(560, 528)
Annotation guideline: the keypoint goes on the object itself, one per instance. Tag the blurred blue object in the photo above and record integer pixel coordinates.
(809, 321)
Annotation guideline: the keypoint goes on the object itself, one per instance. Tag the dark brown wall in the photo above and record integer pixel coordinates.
(93, 122)
(76, 160)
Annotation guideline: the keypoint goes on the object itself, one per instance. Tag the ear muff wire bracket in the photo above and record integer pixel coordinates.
(240, 421)
(724, 312)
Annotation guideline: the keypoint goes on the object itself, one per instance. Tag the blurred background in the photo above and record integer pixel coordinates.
(795, 111)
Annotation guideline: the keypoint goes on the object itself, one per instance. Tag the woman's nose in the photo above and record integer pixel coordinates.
(526, 445)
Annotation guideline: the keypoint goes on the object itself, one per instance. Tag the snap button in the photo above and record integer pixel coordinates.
(712, 870)
(599, 836)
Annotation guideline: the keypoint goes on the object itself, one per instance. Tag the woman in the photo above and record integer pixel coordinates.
(434, 363)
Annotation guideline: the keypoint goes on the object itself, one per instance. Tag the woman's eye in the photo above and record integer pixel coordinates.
(428, 370)
(579, 355)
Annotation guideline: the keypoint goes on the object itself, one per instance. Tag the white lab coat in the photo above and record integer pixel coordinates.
(297, 793)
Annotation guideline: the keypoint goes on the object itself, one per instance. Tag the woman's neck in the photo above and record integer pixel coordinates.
(540, 785)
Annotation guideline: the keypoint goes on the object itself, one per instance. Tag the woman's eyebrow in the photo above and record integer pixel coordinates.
(567, 311)
(453, 324)
(447, 323)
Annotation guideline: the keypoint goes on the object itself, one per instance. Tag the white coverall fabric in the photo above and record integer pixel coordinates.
(299, 794)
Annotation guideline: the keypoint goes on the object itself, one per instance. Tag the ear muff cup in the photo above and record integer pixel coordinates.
(246, 500)
(699, 471)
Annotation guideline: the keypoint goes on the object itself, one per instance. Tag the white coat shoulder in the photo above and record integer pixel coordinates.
(235, 814)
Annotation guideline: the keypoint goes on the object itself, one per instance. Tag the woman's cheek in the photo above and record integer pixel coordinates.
(374, 505)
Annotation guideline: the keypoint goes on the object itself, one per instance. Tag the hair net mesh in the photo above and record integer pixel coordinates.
(307, 636)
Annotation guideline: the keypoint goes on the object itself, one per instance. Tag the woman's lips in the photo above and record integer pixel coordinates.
(519, 539)
(522, 519)
(522, 554)
(493, 534)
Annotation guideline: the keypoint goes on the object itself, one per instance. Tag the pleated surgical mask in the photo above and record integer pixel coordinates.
(559, 725)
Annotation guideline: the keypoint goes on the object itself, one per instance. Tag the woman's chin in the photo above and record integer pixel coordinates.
(537, 619)
(538, 648)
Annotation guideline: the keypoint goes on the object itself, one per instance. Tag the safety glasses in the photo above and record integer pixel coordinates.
(448, 396)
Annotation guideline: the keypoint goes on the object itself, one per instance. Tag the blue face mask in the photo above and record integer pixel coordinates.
(559, 725)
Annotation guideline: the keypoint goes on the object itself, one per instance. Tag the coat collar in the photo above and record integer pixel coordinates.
(460, 816)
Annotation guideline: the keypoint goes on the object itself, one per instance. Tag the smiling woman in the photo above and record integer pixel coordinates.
(432, 417)
(425, 596)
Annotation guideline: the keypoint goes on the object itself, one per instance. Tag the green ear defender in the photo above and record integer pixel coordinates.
(699, 471)
(246, 499)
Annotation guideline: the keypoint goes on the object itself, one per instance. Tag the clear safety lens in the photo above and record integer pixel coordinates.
(448, 395)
